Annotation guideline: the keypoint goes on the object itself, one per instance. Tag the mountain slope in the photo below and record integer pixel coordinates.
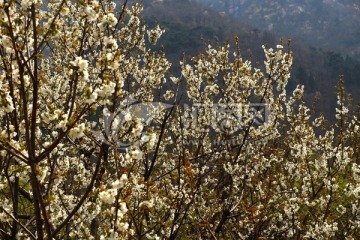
(186, 22)
(329, 24)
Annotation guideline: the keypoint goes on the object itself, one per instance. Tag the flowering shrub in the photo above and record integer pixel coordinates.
(80, 158)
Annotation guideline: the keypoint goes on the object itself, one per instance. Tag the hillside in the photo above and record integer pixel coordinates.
(329, 24)
(187, 23)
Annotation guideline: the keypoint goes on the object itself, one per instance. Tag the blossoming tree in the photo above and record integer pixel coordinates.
(96, 143)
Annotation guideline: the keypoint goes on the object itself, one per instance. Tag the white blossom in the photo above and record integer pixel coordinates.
(108, 196)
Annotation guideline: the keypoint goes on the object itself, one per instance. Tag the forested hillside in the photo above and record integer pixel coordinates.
(187, 23)
(329, 24)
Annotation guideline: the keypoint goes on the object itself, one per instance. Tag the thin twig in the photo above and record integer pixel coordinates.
(23, 227)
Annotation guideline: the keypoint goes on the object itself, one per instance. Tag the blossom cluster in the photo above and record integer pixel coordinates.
(80, 158)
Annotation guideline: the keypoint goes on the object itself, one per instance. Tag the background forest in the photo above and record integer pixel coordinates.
(325, 37)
